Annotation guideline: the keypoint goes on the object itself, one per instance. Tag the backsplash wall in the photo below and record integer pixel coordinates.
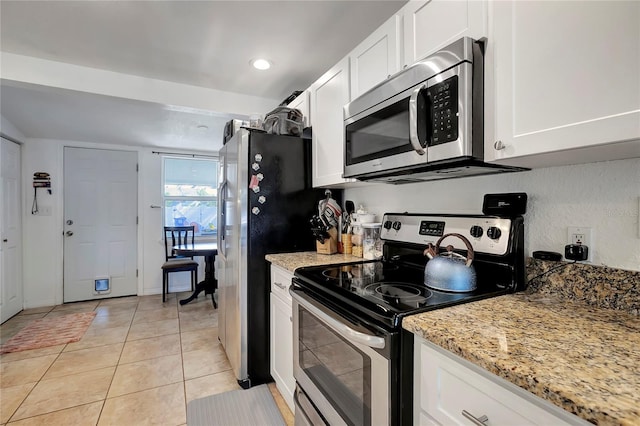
(604, 196)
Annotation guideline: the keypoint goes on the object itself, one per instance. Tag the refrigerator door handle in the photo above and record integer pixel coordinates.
(222, 195)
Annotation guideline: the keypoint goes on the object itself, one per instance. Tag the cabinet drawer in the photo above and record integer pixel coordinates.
(447, 387)
(280, 282)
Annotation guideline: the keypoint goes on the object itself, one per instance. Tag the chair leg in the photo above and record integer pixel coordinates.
(164, 284)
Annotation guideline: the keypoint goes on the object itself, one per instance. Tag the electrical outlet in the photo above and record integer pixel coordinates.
(582, 236)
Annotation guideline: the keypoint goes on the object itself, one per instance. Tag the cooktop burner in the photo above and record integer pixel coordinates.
(398, 291)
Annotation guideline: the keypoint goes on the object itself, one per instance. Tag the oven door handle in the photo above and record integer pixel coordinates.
(346, 331)
(413, 120)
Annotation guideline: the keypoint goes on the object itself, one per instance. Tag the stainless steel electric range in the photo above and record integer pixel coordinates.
(353, 362)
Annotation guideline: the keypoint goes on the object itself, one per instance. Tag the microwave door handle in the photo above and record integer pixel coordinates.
(346, 331)
(413, 120)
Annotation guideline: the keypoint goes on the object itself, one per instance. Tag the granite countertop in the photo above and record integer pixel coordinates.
(581, 358)
(293, 261)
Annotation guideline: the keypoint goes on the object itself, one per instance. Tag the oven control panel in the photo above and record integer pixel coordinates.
(486, 234)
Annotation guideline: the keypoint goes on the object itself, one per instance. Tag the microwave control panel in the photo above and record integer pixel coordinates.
(444, 111)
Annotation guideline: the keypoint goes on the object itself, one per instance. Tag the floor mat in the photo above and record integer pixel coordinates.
(254, 406)
(45, 332)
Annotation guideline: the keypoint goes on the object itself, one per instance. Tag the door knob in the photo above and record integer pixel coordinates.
(69, 233)
(5, 240)
(69, 222)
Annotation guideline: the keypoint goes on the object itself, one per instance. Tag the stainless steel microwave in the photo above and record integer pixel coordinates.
(423, 123)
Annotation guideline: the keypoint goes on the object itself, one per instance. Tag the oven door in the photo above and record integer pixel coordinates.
(342, 367)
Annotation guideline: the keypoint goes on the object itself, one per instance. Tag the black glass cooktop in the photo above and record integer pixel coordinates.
(382, 290)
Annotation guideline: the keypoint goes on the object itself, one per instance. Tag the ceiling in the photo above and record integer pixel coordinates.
(200, 43)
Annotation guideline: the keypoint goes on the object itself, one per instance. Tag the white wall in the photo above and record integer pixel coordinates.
(43, 239)
(604, 196)
(8, 129)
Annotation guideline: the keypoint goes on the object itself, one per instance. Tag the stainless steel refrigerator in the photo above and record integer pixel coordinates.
(265, 203)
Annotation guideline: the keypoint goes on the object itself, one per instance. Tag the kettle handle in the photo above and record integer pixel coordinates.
(432, 251)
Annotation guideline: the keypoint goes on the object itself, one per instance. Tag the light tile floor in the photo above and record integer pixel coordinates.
(140, 362)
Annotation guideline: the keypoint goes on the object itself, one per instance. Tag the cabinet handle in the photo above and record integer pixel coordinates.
(479, 421)
(282, 286)
(498, 145)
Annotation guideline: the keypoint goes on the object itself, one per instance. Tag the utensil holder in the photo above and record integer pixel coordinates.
(330, 245)
(347, 245)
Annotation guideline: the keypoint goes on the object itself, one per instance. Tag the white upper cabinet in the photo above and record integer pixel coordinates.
(329, 94)
(567, 82)
(301, 103)
(376, 58)
(432, 25)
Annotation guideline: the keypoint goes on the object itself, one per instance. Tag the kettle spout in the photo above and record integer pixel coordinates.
(430, 251)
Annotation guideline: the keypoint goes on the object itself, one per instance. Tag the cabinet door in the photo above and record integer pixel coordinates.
(281, 344)
(328, 96)
(376, 58)
(572, 85)
(11, 285)
(280, 282)
(445, 387)
(433, 24)
(301, 103)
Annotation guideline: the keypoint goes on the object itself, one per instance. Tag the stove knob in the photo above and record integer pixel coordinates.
(397, 225)
(494, 233)
(387, 224)
(476, 231)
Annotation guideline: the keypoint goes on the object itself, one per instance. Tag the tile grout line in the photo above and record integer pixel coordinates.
(184, 377)
(104, 401)
(40, 379)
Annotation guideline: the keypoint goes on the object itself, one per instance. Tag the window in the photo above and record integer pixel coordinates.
(191, 194)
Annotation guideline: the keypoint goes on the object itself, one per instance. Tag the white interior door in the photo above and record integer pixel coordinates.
(11, 296)
(100, 228)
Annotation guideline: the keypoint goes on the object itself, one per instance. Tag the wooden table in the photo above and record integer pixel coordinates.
(209, 284)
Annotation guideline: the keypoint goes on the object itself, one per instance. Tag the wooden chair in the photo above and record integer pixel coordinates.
(173, 236)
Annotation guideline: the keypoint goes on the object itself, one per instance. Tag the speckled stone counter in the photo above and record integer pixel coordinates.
(598, 286)
(583, 359)
(292, 261)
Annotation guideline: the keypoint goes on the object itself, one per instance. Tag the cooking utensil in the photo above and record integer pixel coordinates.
(450, 271)
(349, 207)
(329, 210)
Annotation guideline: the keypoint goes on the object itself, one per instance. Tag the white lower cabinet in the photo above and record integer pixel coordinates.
(281, 334)
(451, 391)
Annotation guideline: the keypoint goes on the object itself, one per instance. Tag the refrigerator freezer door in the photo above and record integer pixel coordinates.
(232, 311)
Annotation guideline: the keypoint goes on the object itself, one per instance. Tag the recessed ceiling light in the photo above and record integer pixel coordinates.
(261, 64)
(203, 127)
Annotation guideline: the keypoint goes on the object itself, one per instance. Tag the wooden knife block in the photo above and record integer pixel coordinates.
(330, 245)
